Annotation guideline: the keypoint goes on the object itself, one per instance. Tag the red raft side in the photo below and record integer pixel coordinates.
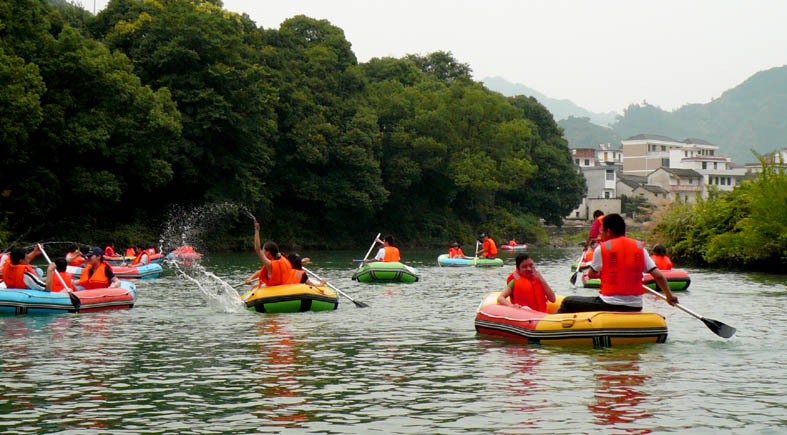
(106, 299)
(598, 328)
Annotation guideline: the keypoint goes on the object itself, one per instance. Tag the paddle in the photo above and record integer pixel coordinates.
(718, 328)
(74, 299)
(357, 304)
(369, 251)
(475, 257)
(573, 278)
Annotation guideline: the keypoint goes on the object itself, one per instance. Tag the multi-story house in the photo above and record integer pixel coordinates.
(644, 153)
(682, 184)
(702, 157)
(778, 157)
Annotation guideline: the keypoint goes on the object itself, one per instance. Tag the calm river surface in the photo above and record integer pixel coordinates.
(180, 361)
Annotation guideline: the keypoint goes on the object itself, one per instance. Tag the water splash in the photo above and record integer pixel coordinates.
(189, 228)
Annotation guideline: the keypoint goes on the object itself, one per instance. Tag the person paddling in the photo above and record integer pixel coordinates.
(489, 248)
(17, 272)
(276, 269)
(621, 261)
(388, 253)
(53, 283)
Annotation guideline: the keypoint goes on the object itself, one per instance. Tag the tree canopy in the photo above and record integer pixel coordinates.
(112, 119)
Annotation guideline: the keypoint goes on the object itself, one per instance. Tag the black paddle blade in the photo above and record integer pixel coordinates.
(360, 304)
(75, 301)
(718, 328)
(573, 278)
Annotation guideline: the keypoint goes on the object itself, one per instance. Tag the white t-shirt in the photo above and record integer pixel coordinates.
(380, 254)
(628, 300)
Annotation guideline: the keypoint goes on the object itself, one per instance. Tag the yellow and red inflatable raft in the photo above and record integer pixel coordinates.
(291, 298)
(599, 328)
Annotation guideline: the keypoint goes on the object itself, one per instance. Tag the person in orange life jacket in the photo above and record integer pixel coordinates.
(489, 248)
(53, 284)
(660, 258)
(5, 258)
(588, 258)
(299, 276)
(142, 258)
(97, 273)
(455, 251)
(109, 251)
(528, 288)
(512, 242)
(621, 261)
(388, 253)
(595, 229)
(74, 257)
(17, 272)
(276, 269)
(130, 252)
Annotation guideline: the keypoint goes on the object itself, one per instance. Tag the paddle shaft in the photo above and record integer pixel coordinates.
(367, 252)
(475, 257)
(692, 313)
(71, 296)
(719, 328)
(573, 278)
(358, 304)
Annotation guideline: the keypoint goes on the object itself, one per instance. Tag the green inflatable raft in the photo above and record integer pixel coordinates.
(386, 272)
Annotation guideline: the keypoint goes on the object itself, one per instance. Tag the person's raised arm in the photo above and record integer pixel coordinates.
(258, 247)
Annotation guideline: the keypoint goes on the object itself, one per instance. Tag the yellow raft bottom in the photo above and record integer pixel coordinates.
(290, 298)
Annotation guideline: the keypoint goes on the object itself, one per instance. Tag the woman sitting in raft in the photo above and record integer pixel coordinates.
(276, 268)
(299, 275)
(660, 258)
(388, 253)
(97, 273)
(528, 288)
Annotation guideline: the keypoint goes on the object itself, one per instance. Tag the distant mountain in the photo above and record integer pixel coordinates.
(751, 115)
(581, 133)
(561, 109)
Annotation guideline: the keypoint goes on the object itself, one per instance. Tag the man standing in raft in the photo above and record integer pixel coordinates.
(276, 269)
(528, 288)
(621, 262)
(388, 253)
(489, 248)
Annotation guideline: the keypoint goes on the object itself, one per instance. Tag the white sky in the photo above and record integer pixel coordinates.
(601, 54)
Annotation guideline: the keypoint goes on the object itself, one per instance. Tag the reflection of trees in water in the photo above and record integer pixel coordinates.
(278, 373)
(619, 393)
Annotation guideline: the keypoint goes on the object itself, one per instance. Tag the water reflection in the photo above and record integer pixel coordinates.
(619, 392)
(525, 382)
(279, 372)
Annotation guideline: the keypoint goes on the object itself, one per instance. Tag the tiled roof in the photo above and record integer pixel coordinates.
(696, 141)
(651, 137)
(682, 172)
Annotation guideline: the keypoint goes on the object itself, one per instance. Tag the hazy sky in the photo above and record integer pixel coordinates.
(601, 54)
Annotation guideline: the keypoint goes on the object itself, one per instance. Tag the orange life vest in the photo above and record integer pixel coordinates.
(130, 252)
(77, 261)
(109, 252)
(662, 262)
(99, 278)
(588, 256)
(622, 264)
(14, 275)
(512, 243)
(490, 248)
(151, 251)
(455, 252)
(57, 286)
(139, 257)
(281, 272)
(391, 254)
(297, 276)
(528, 293)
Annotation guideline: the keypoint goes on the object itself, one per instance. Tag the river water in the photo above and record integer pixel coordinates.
(186, 359)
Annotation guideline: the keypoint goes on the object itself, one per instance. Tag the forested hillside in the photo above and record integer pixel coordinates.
(112, 120)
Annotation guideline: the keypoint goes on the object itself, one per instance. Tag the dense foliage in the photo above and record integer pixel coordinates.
(744, 227)
(110, 121)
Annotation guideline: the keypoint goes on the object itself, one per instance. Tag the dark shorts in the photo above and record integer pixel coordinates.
(578, 304)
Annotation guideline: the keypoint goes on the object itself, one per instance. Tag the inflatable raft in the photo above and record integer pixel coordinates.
(146, 271)
(292, 298)
(25, 301)
(444, 261)
(379, 271)
(514, 248)
(589, 282)
(599, 328)
(119, 259)
(678, 280)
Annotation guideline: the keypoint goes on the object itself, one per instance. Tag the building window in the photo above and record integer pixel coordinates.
(723, 181)
(715, 165)
(576, 161)
(704, 165)
(663, 148)
(610, 175)
(665, 163)
(587, 162)
(606, 194)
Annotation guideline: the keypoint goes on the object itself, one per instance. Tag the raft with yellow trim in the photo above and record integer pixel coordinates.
(291, 298)
(599, 328)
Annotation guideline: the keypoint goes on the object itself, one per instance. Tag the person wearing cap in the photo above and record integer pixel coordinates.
(489, 248)
(455, 251)
(97, 273)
